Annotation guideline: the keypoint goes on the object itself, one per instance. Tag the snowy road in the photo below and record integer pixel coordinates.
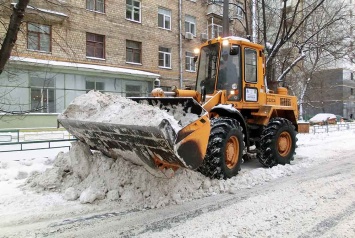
(317, 202)
(314, 197)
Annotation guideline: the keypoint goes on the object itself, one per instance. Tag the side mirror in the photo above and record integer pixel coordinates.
(195, 58)
(234, 50)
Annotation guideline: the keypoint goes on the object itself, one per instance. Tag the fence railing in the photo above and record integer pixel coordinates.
(36, 139)
(333, 127)
(35, 145)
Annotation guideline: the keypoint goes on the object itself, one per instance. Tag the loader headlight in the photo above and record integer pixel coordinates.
(225, 42)
(234, 86)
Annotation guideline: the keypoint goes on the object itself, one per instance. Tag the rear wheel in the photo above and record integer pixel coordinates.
(225, 149)
(277, 143)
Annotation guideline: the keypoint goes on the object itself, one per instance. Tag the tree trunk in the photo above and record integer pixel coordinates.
(11, 34)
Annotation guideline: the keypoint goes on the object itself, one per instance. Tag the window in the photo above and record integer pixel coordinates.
(190, 63)
(133, 52)
(239, 10)
(164, 57)
(164, 18)
(133, 10)
(42, 95)
(250, 65)
(93, 85)
(215, 30)
(133, 90)
(95, 45)
(190, 24)
(39, 37)
(95, 5)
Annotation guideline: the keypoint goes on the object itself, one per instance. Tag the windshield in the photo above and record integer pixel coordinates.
(207, 69)
(229, 73)
(229, 70)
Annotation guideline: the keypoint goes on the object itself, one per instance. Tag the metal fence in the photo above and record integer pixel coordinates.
(331, 128)
(17, 140)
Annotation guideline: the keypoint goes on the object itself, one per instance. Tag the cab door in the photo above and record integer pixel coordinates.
(250, 73)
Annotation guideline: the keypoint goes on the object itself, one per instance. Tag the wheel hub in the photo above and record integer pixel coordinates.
(232, 152)
(284, 143)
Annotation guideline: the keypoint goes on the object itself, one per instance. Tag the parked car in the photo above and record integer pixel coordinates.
(323, 119)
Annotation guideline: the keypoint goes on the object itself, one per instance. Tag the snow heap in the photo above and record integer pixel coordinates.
(89, 176)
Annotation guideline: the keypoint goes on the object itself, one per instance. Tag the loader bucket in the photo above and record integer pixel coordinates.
(158, 148)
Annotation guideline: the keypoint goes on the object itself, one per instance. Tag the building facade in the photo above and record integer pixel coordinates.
(66, 48)
(331, 91)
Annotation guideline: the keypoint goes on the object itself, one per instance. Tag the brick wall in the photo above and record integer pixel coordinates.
(69, 34)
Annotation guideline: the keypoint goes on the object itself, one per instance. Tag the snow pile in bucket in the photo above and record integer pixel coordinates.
(112, 108)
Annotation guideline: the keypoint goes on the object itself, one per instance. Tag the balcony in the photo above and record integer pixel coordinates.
(215, 10)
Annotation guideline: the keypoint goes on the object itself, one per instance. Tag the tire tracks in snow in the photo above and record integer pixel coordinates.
(325, 225)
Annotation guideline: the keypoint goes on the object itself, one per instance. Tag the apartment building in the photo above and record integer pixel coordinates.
(67, 47)
(331, 91)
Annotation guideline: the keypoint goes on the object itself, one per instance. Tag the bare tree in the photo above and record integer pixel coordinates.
(328, 27)
(295, 32)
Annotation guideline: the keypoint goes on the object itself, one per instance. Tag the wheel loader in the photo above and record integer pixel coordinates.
(237, 116)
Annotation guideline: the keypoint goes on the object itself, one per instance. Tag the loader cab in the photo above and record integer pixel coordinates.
(220, 69)
(234, 65)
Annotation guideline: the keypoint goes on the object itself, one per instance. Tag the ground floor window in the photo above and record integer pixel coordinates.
(93, 85)
(42, 95)
(42, 100)
(133, 90)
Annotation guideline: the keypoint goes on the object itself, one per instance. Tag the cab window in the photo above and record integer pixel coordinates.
(250, 67)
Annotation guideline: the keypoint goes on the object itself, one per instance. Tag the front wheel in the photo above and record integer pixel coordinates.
(277, 143)
(224, 150)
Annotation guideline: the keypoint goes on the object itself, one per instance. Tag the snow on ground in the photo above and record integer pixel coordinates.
(82, 177)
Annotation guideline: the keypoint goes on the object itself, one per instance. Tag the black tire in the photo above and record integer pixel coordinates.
(224, 150)
(277, 143)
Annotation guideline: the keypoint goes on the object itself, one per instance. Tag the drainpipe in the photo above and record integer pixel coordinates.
(180, 43)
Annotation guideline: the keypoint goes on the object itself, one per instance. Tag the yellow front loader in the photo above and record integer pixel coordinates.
(237, 115)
